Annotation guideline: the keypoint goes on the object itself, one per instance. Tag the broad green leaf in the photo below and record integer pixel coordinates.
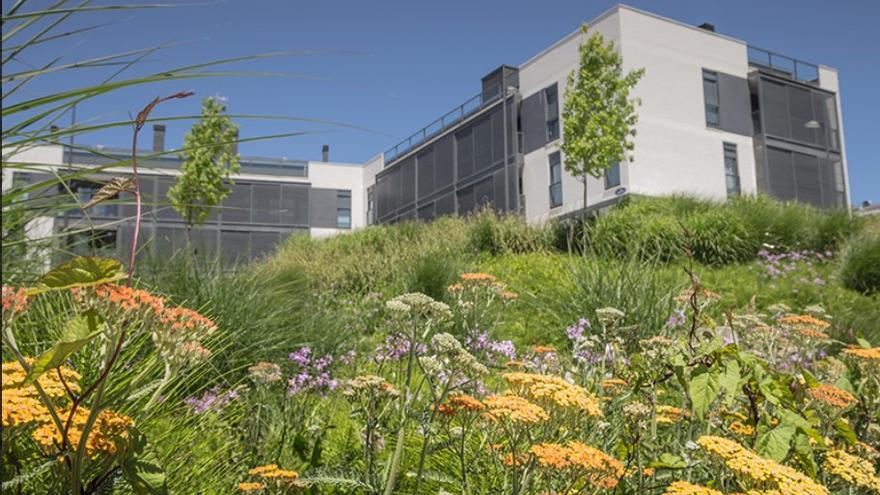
(669, 461)
(728, 381)
(78, 331)
(82, 271)
(776, 443)
(792, 418)
(804, 454)
(710, 346)
(141, 468)
(845, 431)
(703, 389)
(845, 384)
(864, 344)
(767, 386)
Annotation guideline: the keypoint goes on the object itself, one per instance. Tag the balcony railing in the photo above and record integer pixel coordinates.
(790, 67)
(448, 119)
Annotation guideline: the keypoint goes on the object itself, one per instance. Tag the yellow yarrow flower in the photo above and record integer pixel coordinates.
(854, 470)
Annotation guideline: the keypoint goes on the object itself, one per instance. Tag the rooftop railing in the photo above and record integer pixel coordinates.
(448, 119)
(790, 67)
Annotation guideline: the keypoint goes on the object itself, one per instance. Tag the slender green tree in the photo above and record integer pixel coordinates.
(209, 159)
(599, 116)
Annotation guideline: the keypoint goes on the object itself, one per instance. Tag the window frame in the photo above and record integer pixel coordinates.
(729, 150)
(342, 194)
(555, 160)
(605, 175)
(711, 76)
(551, 121)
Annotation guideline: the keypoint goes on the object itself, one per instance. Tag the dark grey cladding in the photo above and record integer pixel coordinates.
(465, 167)
(534, 124)
(797, 145)
(734, 95)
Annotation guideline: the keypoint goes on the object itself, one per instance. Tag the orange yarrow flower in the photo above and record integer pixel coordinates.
(553, 390)
(832, 396)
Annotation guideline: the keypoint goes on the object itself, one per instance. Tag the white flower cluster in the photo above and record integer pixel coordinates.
(416, 303)
(450, 350)
(609, 315)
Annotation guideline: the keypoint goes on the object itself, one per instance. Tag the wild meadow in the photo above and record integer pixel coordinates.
(669, 346)
(476, 356)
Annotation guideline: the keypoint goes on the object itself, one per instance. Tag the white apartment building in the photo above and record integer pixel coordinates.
(718, 117)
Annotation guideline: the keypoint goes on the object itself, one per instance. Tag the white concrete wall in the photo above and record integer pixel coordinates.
(828, 80)
(675, 151)
(554, 65)
(331, 175)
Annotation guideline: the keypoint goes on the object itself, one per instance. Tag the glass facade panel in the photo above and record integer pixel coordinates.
(612, 176)
(555, 180)
(731, 169)
(712, 100)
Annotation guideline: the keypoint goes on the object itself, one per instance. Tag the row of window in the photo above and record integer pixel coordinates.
(612, 179)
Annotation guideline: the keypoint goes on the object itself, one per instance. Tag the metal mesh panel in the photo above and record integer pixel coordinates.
(407, 182)
(775, 109)
(237, 206)
(482, 144)
(426, 212)
(781, 174)
(466, 201)
(498, 188)
(426, 173)
(162, 203)
(445, 205)
(234, 245)
(263, 243)
(801, 108)
(497, 134)
(484, 192)
(809, 188)
(266, 203)
(465, 144)
(443, 163)
(295, 205)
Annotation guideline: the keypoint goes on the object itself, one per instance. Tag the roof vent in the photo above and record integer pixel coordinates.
(707, 26)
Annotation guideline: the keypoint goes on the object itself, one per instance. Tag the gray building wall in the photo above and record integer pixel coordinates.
(472, 164)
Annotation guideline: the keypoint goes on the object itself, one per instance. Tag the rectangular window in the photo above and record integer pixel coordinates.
(612, 176)
(343, 209)
(555, 180)
(551, 116)
(371, 205)
(731, 169)
(710, 95)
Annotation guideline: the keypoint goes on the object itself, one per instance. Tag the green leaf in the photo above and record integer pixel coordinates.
(141, 467)
(845, 431)
(703, 389)
(78, 331)
(669, 461)
(82, 271)
(810, 380)
(804, 454)
(728, 381)
(776, 443)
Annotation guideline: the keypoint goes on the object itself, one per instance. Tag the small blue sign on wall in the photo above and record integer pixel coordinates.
(620, 191)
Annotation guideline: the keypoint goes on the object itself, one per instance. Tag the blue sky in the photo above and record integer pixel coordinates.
(393, 66)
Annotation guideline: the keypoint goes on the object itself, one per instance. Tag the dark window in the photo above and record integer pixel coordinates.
(343, 209)
(731, 169)
(710, 95)
(612, 176)
(371, 205)
(551, 106)
(555, 180)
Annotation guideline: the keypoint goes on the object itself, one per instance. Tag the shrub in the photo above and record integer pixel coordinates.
(860, 264)
(495, 234)
(719, 237)
(431, 275)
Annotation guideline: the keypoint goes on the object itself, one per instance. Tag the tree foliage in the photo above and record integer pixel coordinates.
(599, 115)
(208, 162)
